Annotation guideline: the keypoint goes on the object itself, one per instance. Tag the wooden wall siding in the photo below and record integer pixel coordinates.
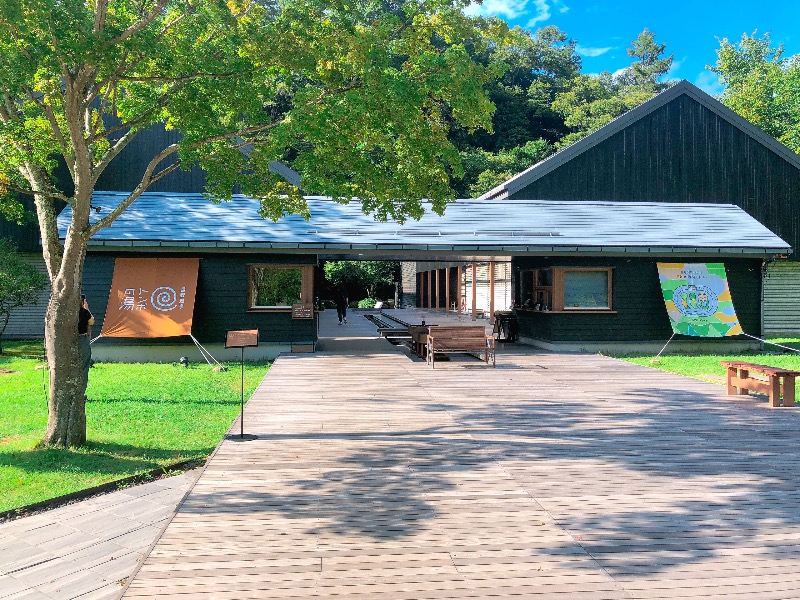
(221, 301)
(125, 172)
(782, 299)
(682, 152)
(27, 322)
(639, 305)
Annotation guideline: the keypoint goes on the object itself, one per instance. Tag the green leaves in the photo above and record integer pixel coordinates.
(762, 85)
(358, 96)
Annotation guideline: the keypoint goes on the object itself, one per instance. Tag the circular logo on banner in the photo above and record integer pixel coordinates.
(164, 299)
(695, 300)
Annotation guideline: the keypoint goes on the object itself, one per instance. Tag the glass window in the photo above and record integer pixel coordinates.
(275, 287)
(586, 289)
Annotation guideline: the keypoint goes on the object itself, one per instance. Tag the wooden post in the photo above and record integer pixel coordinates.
(438, 288)
(430, 300)
(788, 390)
(474, 292)
(459, 277)
(491, 291)
(447, 290)
(774, 390)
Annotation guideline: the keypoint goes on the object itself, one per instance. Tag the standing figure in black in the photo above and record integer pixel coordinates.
(85, 322)
(341, 304)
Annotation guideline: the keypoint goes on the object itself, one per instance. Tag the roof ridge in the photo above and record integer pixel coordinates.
(682, 87)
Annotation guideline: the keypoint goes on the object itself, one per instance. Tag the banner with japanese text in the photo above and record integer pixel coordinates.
(151, 297)
(698, 299)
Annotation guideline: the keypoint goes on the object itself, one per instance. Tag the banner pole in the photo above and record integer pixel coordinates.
(771, 343)
(665, 345)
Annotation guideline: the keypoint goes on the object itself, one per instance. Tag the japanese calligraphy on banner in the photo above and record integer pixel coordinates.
(151, 297)
(698, 299)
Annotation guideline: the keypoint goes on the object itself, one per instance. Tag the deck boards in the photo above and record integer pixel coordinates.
(562, 476)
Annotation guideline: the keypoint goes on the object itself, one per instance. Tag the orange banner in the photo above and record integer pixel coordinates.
(151, 297)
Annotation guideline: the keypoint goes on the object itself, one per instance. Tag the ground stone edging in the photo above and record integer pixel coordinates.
(111, 486)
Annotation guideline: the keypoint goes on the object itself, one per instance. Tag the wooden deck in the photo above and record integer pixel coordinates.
(561, 476)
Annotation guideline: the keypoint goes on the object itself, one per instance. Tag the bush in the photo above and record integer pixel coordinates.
(367, 303)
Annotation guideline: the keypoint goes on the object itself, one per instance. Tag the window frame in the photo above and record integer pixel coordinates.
(555, 293)
(306, 287)
(560, 276)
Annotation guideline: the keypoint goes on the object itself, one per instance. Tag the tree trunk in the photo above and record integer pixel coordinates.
(66, 421)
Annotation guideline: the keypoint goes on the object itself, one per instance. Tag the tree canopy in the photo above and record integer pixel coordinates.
(592, 101)
(762, 85)
(358, 96)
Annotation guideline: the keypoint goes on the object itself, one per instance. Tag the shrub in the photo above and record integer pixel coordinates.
(367, 303)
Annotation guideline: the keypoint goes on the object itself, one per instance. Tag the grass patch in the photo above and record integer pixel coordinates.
(708, 367)
(139, 417)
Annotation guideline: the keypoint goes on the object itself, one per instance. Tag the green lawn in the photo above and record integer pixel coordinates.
(703, 365)
(139, 417)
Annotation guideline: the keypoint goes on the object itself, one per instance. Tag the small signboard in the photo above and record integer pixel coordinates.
(302, 311)
(241, 338)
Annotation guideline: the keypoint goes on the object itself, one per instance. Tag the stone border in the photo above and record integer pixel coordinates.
(104, 488)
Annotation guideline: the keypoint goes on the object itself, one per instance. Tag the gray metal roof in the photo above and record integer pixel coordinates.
(173, 220)
(542, 168)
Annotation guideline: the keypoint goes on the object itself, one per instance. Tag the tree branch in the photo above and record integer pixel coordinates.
(139, 25)
(101, 10)
(146, 181)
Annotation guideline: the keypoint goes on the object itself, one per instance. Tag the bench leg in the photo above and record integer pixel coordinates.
(732, 391)
(788, 391)
(774, 391)
(743, 374)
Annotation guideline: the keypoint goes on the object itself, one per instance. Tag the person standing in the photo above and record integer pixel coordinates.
(85, 322)
(341, 304)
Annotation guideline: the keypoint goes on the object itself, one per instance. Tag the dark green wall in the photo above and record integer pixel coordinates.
(221, 301)
(638, 302)
(682, 152)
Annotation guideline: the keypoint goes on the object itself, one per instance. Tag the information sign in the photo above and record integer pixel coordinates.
(241, 338)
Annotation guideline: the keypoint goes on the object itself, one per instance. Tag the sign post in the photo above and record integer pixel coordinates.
(242, 338)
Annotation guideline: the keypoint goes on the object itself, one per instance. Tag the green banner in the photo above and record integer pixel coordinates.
(698, 299)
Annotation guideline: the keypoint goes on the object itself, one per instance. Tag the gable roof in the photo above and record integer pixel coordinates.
(172, 221)
(682, 88)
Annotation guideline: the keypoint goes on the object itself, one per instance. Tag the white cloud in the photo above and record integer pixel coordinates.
(591, 52)
(673, 69)
(542, 12)
(709, 83)
(512, 9)
(618, 72)
(507, 9)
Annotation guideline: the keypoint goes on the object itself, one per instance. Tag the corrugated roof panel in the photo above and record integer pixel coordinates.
(189, 219)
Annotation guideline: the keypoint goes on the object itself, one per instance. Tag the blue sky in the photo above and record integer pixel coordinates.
(605, 28)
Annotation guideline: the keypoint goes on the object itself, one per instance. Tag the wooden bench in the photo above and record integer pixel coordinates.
(467, 339)
(419, 338)
(776, 381)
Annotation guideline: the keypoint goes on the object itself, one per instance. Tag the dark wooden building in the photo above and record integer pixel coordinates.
(618, 244)
(684, 146)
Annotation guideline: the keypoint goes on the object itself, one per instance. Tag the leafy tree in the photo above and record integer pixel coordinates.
(537, 66)
(374, 277)
(484, 170)
(594, 101)
(20, 284)
(357, 95)
(762, 85)
(646, 72)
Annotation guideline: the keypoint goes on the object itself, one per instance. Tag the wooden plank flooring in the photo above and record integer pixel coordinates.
(560, 476)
